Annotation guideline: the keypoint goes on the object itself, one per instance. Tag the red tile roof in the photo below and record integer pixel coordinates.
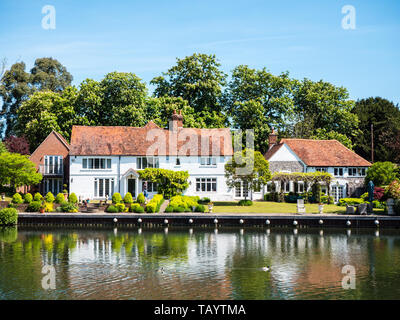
(118, 140)
(321, 153)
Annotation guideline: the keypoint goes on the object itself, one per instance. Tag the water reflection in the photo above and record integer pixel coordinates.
(198, 263)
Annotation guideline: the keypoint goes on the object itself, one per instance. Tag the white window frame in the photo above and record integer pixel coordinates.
(90, 163)
(208, 161)
(151, 162)
(206, 184)
(96, 184)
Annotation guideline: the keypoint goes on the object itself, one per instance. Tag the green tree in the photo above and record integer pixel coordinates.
(198, 80)
(14, 89)
(323, 134)
(2, 147)
(385, 118)
(257, 99)
(50, 74)
(169, 182)
(17, 170)
(249, 167)
(382, 173)
(17, 85)
(321, 105)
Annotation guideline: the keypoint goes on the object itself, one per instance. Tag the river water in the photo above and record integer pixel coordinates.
(199, 263)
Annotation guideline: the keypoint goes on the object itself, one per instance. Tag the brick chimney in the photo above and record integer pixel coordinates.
(273, 138)
(176, 121)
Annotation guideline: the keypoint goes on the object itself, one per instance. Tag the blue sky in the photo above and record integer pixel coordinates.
(305, 38)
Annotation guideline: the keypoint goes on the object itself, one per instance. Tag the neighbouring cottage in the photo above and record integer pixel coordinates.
(105, 159)
(306, 155)
(52, 161)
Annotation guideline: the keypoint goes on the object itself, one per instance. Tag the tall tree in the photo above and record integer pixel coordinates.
(50, 74)
(323, 134)
(17, 85)
(14, 89)
(385, 118)
(198, 80)
(321, 105)
(257, 99)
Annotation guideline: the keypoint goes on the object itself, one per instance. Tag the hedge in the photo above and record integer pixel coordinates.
(8, 216)
(245, 203)
(154, 204)
(128, 198)
(116, 198)
(350, 201)
(137, 208)
(34, 206)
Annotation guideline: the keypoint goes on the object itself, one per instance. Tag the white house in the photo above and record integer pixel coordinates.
(306, 155)
(105, 159)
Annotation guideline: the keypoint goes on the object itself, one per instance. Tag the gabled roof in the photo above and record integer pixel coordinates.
(131, 141)
(58, 136)
(321, 153)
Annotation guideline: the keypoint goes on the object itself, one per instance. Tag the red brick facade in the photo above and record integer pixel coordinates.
(53, 145)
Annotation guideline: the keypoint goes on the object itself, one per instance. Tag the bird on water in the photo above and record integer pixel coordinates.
(267, 268)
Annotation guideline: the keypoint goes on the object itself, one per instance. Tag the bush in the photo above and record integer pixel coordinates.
(60, 198)
(141, 199)
(245, 203)
(34, 206)
(116, 198)
(350, 201)
(200, 208)
(292, 198)
(37, 197)
(49, 197)
(68, 207)
(179, 209)
(48, 207)
(72, 198)
(185, 202)
(378, 204)
(17, 199)
(169, 209)
(28, 198)
(112, 209)
(120, 206)
(137, 208)
(204, 200)
(151, 207)
(393, 190)
(8, 216)
(324, 199)
(128, 198)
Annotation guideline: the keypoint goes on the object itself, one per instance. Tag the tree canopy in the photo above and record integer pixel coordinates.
(385, 117)
(382, 173)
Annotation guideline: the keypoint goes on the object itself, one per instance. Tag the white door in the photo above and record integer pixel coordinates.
(337, 193)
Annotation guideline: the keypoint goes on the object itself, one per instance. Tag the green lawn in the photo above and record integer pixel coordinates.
(275, 207)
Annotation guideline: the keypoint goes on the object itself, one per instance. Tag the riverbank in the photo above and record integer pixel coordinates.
(207, 219)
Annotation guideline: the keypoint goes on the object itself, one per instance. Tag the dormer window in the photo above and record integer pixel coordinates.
(208, 161)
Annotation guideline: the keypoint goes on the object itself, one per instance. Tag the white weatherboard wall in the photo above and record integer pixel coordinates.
(82, 180)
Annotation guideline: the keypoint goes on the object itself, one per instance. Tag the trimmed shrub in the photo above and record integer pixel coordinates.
(17, 199)
(378, 204)
(128, 198)
(169, 209)
(200, 208)
(8, 216)
(112, 209)
(60, 198)
(28, 198)
(151, 207)
(155, 204)
(72, 198)
(141, 199)
(34, 206)
(137, 208)
(245, 203)
(179, 209)
(324, 199)
(116, 198)
(49, 197)
(48, 207)
(37, 197)
(120, 206)
(68, 207)
(350, 201)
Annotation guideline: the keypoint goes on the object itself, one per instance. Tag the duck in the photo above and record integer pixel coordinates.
(161, 270)
(267, 268)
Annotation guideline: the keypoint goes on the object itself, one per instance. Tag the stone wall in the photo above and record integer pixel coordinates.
(355, 187)
(291, 166)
